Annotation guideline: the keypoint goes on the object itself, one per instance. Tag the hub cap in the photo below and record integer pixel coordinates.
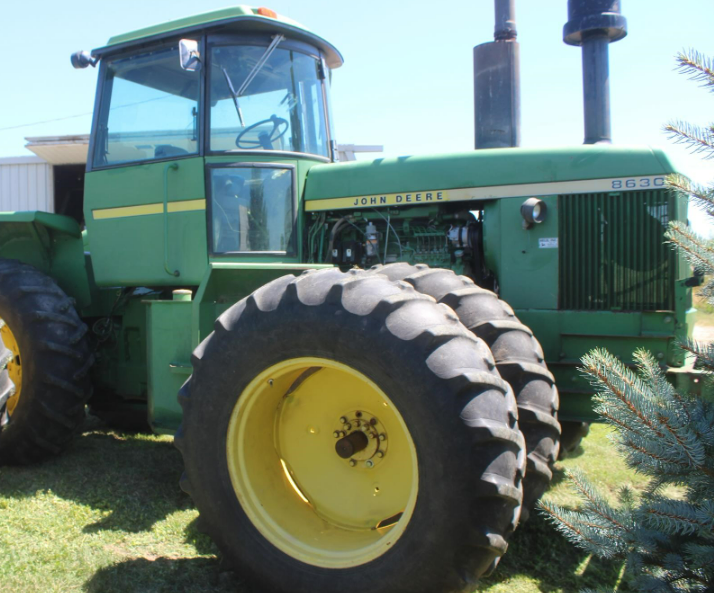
(312, 487)
(14, 367)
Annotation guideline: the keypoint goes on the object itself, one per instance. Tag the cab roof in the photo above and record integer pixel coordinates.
(237, 18)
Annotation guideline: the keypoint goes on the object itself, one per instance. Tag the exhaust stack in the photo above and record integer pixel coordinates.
(593, 25)
(497, 85)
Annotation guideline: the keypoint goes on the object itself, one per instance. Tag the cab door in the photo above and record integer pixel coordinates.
(145, 198)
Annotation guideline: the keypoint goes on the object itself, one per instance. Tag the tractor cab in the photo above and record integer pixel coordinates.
(221, 115)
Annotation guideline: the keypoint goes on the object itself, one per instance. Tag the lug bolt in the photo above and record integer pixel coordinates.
(343, 433)
(336, 434)
(365, 428)
(347, 426)
(369, 463)
(343, 420)
(373, 421)
(372, 436)
(382, 437)
(380, 454)
(352, 462)
(358, 414)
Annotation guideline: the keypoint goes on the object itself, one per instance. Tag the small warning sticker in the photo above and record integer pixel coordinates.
(548, 243)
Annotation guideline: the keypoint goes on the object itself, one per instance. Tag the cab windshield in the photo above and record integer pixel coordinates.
(280, 108)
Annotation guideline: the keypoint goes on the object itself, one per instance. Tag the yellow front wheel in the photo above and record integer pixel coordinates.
(322, 462)
(342, 432)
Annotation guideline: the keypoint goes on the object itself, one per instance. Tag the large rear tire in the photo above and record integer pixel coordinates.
(518, 356)
(292, 373)
(49, 366)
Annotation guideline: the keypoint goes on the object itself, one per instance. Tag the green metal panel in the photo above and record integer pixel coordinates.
(612, 251)
(525, 260)
(566, 336)
(483, 168)
(125, 219)
(169, 360)
(51, 243)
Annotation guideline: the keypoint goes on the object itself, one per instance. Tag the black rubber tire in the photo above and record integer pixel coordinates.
(572, 435)
(518, 355)
(56, 359)
(462, 417)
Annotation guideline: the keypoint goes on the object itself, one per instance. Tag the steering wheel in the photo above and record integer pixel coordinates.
(265, 140)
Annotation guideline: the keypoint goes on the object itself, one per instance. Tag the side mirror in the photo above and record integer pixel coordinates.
(82, 59)
(189, 55)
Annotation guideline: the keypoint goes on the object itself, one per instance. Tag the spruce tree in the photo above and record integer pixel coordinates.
(666, 541)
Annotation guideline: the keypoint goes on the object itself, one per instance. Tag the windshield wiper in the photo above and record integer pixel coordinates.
(251, 75)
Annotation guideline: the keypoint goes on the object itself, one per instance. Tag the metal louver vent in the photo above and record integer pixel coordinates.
(612, 251)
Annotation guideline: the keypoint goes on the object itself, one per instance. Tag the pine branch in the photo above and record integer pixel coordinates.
(694, 248)
(597, 505)
(675, 517)
(607, 372)
(703, 196)
(699, 67)
(699, 139)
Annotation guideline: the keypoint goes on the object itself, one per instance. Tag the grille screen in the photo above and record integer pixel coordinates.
(612, 251)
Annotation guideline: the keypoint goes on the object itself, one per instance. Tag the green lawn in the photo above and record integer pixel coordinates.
(108, 516)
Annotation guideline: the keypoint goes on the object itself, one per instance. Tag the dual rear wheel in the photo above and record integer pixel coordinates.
(361, 437)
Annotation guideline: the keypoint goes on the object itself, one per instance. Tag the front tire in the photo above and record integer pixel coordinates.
(265, 407)
(49, 365)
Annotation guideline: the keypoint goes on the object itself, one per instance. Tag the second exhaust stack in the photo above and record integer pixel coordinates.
(497, 86)
(593, 25)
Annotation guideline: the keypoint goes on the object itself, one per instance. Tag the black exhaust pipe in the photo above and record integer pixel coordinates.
(593, 25)
(497, 85)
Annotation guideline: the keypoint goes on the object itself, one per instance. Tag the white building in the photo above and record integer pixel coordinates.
(52, 181)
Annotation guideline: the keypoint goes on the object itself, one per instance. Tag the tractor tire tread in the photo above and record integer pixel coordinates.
(520, 361)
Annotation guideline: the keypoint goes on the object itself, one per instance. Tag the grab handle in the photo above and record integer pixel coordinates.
(167, 168)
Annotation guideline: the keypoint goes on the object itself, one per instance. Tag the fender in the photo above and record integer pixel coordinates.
(53, 244)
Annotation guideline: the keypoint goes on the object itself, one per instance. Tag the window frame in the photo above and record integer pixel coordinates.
(292, 247)
(101, 104)
(227, 39)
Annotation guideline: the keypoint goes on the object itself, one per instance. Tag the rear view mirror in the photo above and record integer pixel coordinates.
(189, 55)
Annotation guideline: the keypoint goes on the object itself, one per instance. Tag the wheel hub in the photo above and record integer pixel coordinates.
(362, 439)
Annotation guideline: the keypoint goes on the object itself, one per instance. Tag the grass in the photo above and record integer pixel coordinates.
(108, 516)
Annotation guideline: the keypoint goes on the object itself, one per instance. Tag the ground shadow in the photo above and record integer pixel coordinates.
(132, 477)
(165, 575)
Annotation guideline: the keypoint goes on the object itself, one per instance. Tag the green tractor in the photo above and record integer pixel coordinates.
(359, 349)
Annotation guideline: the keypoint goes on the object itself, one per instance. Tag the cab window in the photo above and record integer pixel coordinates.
(149, 109)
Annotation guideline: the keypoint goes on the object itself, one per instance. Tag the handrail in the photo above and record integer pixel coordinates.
(167, 168)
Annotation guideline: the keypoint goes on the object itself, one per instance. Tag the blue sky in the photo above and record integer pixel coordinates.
(407, 82)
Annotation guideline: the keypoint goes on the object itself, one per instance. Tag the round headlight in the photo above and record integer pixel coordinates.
(533, 211)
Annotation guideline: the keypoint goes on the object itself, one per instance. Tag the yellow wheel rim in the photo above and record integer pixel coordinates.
(14, 367)
(308, 501)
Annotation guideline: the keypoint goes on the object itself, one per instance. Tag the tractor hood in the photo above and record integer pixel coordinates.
(483, 175)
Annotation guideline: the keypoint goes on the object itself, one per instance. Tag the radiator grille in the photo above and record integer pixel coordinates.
(612, 251)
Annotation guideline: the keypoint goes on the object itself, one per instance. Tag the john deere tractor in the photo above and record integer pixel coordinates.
(365, 354)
